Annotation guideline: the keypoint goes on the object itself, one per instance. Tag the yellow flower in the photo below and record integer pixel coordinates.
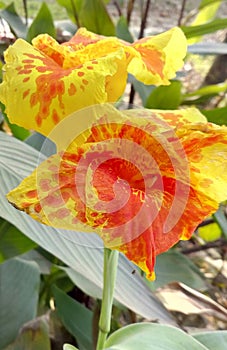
(141, 179)
(45, 82)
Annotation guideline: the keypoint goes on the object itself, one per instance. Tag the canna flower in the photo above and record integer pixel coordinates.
(141, 179)
(45, 82)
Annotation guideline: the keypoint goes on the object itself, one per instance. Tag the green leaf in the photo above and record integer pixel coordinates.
(76, 318)
(207, 11)
(17, 131)
(143, 90)
(43, 23)
(173, 266)
(122, 30)
(221, 219)
(149, 336)
(41, 143)
(19, 291)
(203, 93)
(215, 340)
(216, 115)
(205, 3)
(208, 49)
(80, 251)
(210, 232)
(69, 347)
(72, 7)
(33, 336)
(101, 23)
(87, 286)
(165, 97)
(16, 24)
(207, 28)
(12, 241)
(41, 261)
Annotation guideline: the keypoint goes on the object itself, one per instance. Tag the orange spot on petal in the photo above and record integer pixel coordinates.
(55, 117)
(38, 208)
(32, 194)
(26, 79)
(72, 89)
(25, 94)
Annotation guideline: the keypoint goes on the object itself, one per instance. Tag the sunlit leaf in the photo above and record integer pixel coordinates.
(210, 232)
(69, 347)
(221, 219)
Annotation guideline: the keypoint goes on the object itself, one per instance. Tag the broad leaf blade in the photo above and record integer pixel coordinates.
(122, 30)
(72, 7)
(165, 97)
(12, 241)
(14, 21)
(34, 335)
(213, 340)
(207, 28)
(18, 131)
(148, 336)
(76, 318)
(173, 266)
(217, 115)
(43, 23)
(101, 23)
(19, 290)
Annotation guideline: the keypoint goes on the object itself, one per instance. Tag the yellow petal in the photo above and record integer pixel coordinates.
(206, 148)
(159, 57)
(47, 93)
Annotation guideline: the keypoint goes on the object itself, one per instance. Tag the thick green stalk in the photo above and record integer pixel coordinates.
(109, 278)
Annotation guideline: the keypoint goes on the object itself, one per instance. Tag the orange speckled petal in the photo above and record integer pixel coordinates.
(179, 118)
(46, 93)
(83, 38)
(142, 252)
(159, 57)
(70, 57)
(206, 149)
(125, 177)
(51, 196)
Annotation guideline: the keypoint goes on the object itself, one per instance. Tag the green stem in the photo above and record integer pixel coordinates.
(109, 278)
